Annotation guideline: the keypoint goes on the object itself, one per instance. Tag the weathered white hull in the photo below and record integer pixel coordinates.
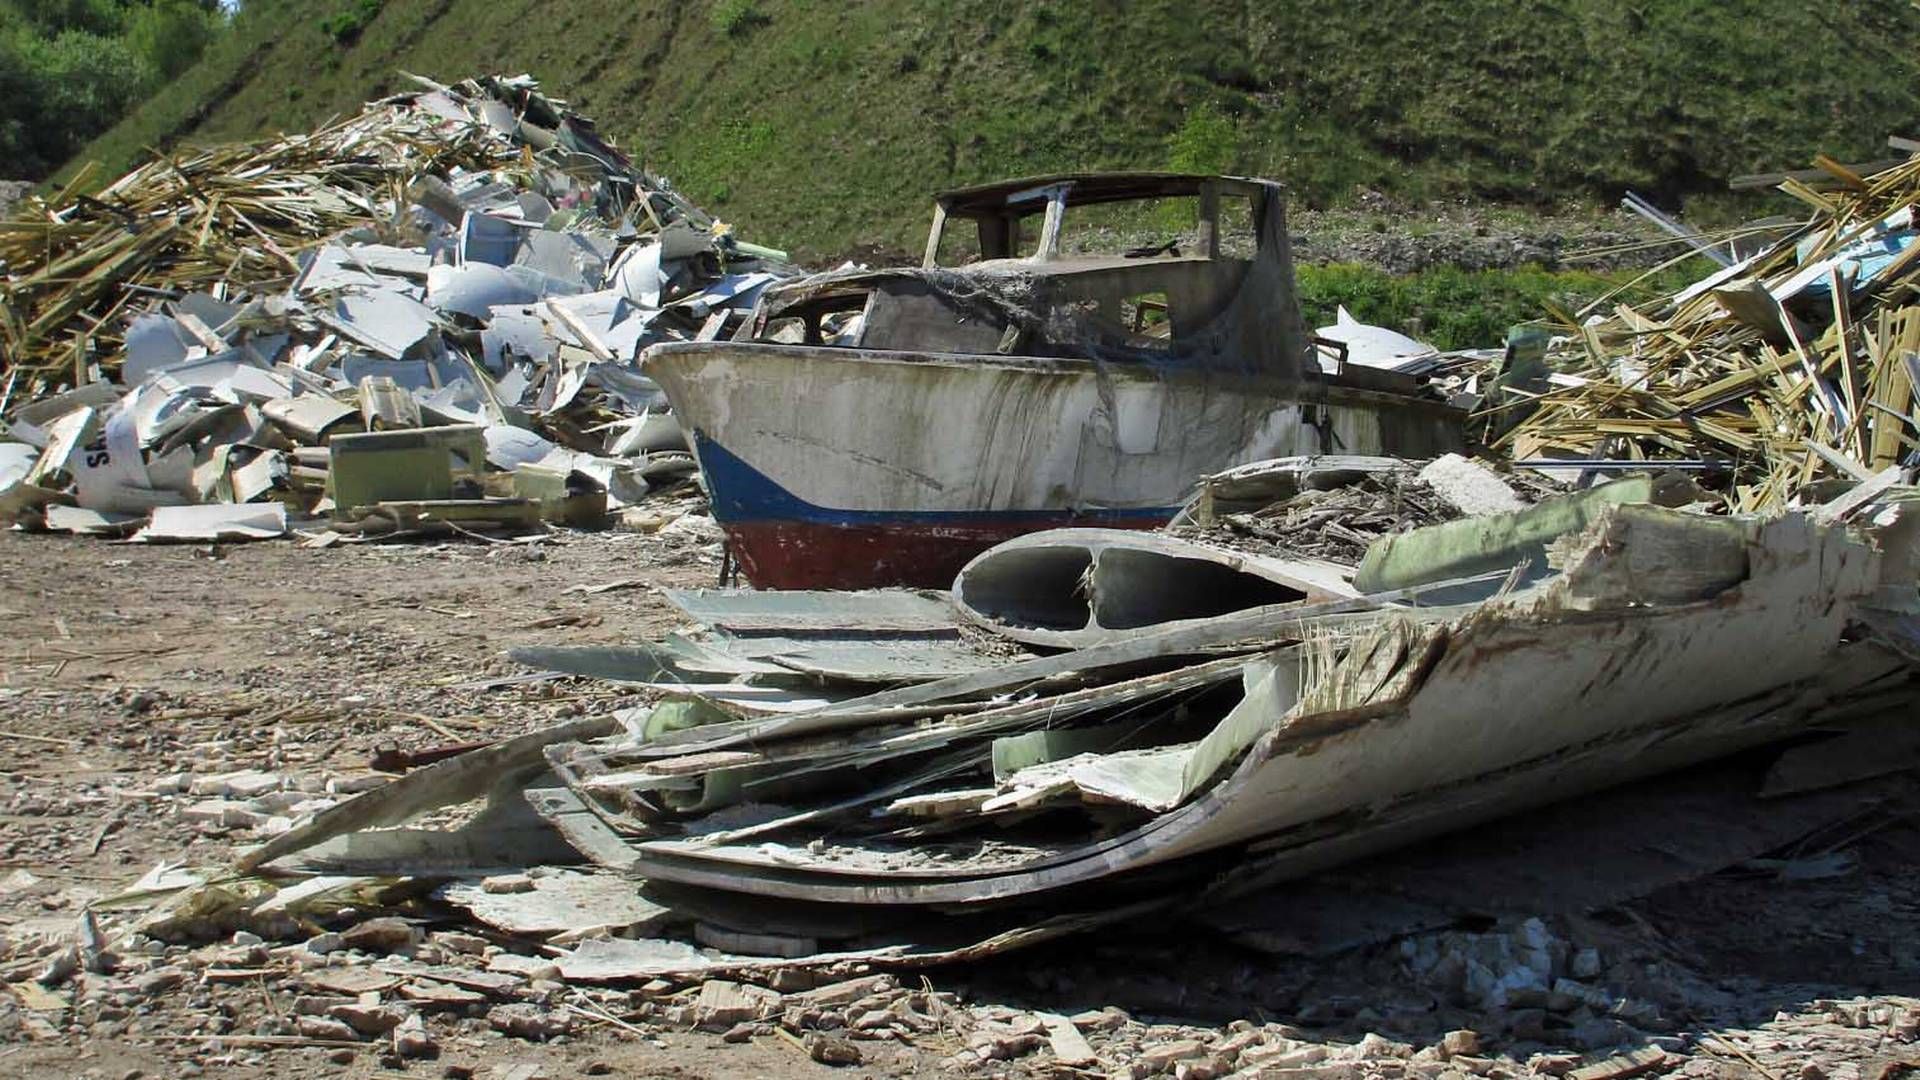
(846, 468)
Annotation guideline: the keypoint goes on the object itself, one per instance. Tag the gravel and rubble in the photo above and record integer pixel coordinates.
(12, 191)
(143, 724)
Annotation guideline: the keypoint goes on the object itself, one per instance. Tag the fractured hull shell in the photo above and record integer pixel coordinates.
(843, 468)
(1429, 725)
(1070, 588)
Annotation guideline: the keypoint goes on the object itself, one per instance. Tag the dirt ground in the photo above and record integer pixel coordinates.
(124, 665)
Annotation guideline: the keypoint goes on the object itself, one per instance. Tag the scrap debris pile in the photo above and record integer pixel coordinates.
(1095, 724)
(1333, 508)
(1793, 367)
(427, 318)
(425, 315)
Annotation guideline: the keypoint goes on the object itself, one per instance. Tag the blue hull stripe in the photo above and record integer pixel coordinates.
(742, 494)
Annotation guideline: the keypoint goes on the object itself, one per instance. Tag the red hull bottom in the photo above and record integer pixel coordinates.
(804, 555)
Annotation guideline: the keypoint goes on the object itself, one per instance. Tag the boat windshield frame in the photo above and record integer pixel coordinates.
(998, 211)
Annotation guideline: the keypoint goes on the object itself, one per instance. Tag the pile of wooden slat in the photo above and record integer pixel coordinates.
(1795, 366)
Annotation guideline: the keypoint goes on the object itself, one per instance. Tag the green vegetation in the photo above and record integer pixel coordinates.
(1466, 309)
(344, 26)
(824, 127)
(70, 68)
(1205, 143)
(731, 18)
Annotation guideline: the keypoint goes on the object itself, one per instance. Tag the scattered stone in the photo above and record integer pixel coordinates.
(834, 995)
(1553, 1064)
(325, 1027)
(992, 1046)
(410, 1039)
(354, 785)
(1107, 1019)
(1070, 1048)
(530, 1022)
(1160, 1057)
(159, 981)
(1645, 1059)
(738, 1033)
(246, 784)
(531, 967)
(507, 884)
(318, 1005)
(224, 814)
(371, 1019)
(832, 1049)
(430, 994)
(63, 965)
(382, 935)
(722, 1004)
(455, 942)
(1374, 1047)
(351, 981)
(1601, 1033)
(1461, 1043)
(1283, 1056)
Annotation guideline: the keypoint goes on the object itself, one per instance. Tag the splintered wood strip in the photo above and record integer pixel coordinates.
(1850, 388)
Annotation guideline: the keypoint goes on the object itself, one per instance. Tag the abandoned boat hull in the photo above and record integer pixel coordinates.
(841, 468)
(1631, 663)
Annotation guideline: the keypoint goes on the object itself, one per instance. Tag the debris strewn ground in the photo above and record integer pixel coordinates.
(313, 662)
(1369, 767)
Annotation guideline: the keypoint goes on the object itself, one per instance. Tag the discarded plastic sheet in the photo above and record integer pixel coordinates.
(255, 521)
(18, 493)
(156, 342)
(623, 483)
(386, 322)
(334, 268)
(647, 432)
(1375, 346)
(741, 612)
(476, 289)
(110, 472)
(309, 418)
(511, 447)
(731, 291)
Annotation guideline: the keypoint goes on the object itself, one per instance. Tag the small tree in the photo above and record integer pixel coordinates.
(169, 35)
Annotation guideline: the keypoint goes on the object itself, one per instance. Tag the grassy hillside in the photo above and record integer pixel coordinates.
(825, 126)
